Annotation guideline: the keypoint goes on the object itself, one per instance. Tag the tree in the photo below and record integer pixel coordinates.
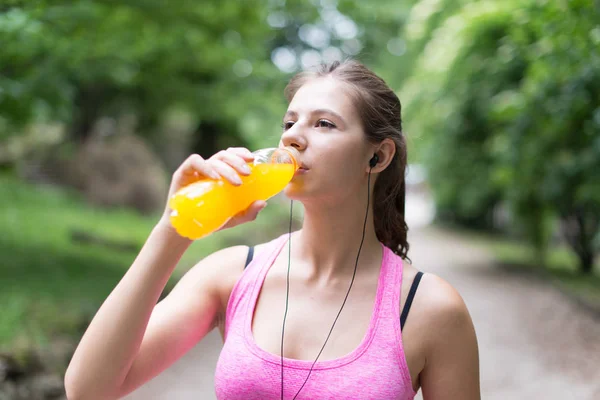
(555, 133)
(449, 94)
(74, 62)
(506, 94)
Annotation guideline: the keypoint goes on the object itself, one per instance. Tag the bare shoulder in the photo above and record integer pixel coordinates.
(438, 309)
(449, 366)
(233, 265)
(216, 272)
(441, 344)
(441, 302)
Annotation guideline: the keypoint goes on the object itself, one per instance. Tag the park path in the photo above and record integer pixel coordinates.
(534, 342)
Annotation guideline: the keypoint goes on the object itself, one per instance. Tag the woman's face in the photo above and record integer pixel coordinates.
(324, 126)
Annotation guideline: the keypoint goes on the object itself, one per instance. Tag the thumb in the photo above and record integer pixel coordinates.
(251, 212)
(256, 207)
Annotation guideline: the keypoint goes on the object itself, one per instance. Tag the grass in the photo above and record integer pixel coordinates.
(51, 285)
(561, 265)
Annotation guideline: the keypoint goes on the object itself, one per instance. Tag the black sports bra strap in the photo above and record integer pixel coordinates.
(250, 255)
(409, 299)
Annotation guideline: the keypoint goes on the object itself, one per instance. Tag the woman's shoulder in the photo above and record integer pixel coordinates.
(219, 270)
(232, 263)
(232, 260)
(440, 338)
(440, 300)
(438, 309)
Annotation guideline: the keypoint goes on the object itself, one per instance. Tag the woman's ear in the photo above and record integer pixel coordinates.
(383, 154)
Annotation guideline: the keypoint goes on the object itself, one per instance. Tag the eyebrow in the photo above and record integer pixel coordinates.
(293, 114)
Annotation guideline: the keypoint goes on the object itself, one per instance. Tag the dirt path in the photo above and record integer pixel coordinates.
(534, 343)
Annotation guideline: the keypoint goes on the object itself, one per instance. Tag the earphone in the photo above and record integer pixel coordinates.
(372, 162)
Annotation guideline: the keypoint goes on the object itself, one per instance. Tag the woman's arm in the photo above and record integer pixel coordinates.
(186, 315)
(111, 342)
(131, 338)
(451, 369)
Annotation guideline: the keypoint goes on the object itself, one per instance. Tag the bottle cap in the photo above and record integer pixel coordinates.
(278, 155)
(287, 155)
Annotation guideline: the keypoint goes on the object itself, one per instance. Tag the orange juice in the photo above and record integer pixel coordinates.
(206, 205)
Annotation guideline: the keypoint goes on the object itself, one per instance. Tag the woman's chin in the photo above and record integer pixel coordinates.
(295, 191)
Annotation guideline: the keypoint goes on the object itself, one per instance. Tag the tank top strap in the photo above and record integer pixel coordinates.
(252, 277)
(389, 333)
(264, 260)
(391, 267)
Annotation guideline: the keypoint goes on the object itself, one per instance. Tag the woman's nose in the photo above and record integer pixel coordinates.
(294, 137)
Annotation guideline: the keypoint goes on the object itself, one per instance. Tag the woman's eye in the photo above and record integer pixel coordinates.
(287, 125)
(323, 123)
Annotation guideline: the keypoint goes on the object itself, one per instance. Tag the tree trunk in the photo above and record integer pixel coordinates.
(588, 226)
(89, 103)
(85, 114)
(205, 138)
(212, 136)
(586, 262)
(579, 228)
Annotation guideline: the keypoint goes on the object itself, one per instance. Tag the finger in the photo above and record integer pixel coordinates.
(251, 212)
(195, 165)
(198, 164)
(235, 161)
(242, 152)
(226, 171)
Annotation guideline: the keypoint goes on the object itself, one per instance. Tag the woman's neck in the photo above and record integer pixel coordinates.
(330, 238)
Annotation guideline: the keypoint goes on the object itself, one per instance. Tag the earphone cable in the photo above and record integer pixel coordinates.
(345, 298)
(287, 292)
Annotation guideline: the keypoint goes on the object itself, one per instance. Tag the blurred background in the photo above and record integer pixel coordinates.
(101, 101)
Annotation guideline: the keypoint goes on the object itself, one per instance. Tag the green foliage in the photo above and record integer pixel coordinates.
(420, 27)
(449, 95)
(52, 284)
(42, 268)
(556, 133)
(507, 97)
(74, 62)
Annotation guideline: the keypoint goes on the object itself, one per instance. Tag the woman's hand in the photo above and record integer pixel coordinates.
(227, 164)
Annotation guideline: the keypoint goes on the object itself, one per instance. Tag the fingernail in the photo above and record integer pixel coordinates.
(237, 180)
(214, 175)
(246, 168)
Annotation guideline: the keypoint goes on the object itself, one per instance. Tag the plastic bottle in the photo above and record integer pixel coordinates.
(205, 206)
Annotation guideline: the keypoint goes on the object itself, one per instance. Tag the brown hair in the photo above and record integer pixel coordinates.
(379, 109)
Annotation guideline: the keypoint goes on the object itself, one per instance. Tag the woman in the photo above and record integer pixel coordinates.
(347, 281)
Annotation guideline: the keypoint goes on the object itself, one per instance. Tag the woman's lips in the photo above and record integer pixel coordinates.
(301, 171)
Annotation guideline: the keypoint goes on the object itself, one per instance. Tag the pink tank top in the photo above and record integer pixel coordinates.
(376, 369)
